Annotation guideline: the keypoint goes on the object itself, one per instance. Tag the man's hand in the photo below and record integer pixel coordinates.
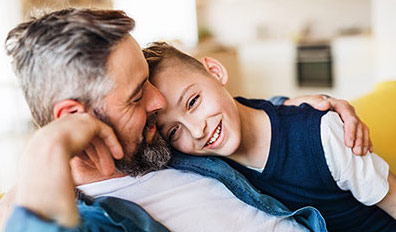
(356, 132)
(6, 204)
(45, 184)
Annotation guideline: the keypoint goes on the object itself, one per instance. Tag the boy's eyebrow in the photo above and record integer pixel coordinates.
(137, 90)
(184, 93)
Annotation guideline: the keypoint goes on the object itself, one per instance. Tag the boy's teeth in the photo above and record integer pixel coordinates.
(215, 136)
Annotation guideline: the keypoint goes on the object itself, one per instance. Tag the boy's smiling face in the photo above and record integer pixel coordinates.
(201, 117)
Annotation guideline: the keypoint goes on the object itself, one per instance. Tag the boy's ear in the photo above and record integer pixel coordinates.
(215, 68)
(67, 107)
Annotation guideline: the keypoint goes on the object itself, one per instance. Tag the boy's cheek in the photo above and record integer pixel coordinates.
(184, 146)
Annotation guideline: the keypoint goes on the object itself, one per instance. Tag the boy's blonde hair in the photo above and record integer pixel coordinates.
(162, 54)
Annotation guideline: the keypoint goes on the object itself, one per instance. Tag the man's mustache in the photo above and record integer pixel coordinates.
(148, 133)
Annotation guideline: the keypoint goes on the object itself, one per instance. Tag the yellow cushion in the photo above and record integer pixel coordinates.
(378, 111)
(1, 195)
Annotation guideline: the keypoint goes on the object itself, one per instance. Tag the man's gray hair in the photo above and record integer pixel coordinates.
(63, 55)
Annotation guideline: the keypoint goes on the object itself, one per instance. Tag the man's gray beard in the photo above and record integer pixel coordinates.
(146, 157)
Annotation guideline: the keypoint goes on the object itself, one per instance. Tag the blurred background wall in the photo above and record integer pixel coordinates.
(288, 47)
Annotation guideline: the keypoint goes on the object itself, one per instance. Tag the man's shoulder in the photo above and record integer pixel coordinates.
(108, 213)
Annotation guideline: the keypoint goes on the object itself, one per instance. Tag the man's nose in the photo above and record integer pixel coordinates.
(155, 101)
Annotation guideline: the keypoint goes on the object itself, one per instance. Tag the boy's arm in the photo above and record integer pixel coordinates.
(356, 132)
(365, 176)
(388, 204)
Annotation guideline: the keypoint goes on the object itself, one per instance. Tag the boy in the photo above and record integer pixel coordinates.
(296, 154)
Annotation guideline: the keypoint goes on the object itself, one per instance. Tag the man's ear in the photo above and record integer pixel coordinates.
(67, 107)
(215, 68)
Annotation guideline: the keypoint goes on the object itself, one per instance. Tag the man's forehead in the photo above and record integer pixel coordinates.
(128, 69)
(126, 60)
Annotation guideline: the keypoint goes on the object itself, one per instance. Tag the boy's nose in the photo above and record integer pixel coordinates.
(155, 101)
(197, 128)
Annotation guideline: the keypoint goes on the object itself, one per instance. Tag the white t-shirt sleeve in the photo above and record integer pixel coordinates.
(365, 176)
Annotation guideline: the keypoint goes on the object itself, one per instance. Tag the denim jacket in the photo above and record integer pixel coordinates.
(102, 214)
(216, 168)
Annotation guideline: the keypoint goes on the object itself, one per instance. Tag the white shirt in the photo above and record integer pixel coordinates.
(365, 176)
(185, 201)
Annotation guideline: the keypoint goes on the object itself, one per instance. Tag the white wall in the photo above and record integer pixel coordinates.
(353, 59)
(171, 20)
(265, 33)
(269, 68)
(235, 22)
(14, 115)
(384, 28)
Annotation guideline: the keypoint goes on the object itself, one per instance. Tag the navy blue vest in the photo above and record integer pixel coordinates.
(296, 172)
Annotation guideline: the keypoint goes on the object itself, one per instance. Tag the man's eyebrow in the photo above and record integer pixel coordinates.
(184, 93)
(137, 90)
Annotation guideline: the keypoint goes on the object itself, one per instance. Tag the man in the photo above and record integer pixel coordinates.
(85, 80)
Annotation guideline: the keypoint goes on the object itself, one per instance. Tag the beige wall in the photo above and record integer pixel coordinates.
(29, 5)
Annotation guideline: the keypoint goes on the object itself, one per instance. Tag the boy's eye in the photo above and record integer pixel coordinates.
(172, 133)
(193, 101)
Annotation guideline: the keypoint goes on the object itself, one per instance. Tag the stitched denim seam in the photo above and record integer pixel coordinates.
(229, 182)
(188, 166)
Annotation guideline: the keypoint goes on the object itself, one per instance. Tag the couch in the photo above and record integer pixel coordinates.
(378, 110)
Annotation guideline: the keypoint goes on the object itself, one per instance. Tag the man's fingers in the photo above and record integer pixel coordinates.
(350, 131)
(350, 119)
(105, 162)
(80, 129)
(323, 104)
(91, 153)
(109, 138)
(91, 127)
(358, 146)
(366, 140)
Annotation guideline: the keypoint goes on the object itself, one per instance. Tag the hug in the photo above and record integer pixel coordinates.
(150, 140)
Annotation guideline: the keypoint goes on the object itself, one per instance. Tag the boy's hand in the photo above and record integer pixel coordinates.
(356, 132)
(45, 185)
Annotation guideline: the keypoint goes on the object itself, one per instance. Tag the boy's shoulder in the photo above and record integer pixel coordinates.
(278, 109)
(304, 108)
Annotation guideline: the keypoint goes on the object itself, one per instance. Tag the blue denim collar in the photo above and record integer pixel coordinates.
(216, 168)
